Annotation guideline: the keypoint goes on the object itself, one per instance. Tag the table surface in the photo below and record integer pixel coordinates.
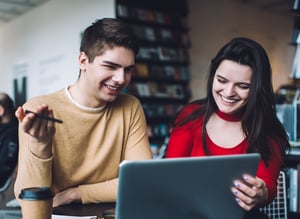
(84, 210)
(98, 210)
(73, 209)
(80, 210)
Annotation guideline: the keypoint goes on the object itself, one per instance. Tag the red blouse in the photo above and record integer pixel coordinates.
(186, 141)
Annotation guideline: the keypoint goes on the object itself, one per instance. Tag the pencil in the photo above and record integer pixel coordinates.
(44, 117)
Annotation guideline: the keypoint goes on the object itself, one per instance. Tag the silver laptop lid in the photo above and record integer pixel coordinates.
(181, 188)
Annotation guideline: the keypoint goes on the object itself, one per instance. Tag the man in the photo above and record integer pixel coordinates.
(101, 127)
(8, 139)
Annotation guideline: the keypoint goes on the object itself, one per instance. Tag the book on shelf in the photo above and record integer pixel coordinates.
(294, 150)
(170, 72)
(164, 54)
(143, 89)
(142, 14)
(176, 91)
(148, 53)
(153, 110)
(159, 90)
(185, 73)
(166, 34)
(185, 40)
(138, 31)
(159, 130)
(157, 71)
(142, 70)
(167, 54)
(159, 17)
(161, 35)
(122, 10)
(149, 34)
(294, 189)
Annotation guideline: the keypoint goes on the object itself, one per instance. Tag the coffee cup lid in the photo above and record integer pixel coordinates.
(36, 193)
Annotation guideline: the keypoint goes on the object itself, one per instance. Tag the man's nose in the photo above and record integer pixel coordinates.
(119, 76)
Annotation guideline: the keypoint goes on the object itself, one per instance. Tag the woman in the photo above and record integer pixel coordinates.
(238, 116)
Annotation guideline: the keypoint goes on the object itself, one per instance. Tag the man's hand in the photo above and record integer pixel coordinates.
(41, 131)
(67, 196)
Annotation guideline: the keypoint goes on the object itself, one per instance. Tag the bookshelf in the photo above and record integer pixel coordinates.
(287, 109)
(161, 81)
(292, 171)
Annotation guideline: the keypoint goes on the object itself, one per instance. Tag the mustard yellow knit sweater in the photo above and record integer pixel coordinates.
(87, 147)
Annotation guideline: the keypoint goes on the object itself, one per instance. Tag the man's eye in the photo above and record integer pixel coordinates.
(110, 67)
(129, 70)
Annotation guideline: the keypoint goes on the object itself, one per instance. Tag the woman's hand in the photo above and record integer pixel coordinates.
(40, 130)
(250, 192)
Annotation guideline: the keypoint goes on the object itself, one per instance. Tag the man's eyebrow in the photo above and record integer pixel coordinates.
(117, 65)
(111, 63)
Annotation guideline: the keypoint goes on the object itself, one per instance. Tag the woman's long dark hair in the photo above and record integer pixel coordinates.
(259, 121)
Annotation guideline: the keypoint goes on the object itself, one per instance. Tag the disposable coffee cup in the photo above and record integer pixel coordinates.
(36, 203)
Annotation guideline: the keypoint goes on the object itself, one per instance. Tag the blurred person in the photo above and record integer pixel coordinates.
(8, 138)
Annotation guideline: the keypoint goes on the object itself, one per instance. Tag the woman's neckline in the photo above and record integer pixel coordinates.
(229, 117)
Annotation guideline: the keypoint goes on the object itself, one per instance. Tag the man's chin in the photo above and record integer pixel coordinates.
(111, 98)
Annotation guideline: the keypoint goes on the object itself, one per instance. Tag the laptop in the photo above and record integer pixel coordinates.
(180, 188)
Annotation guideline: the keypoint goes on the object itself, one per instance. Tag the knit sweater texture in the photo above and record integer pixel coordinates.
(87, 147)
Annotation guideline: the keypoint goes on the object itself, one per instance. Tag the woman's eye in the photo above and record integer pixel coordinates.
(221, 80)
(244, 86)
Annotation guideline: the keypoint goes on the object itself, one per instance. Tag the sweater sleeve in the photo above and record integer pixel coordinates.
(269, 172)
(137, 146)
(32, 171)
(106, 192)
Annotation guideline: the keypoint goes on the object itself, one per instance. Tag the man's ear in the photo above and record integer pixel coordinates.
(83, 61)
